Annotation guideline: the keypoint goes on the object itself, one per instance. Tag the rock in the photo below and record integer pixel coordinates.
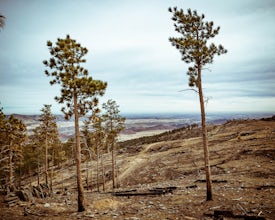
(162, 207)
(11, 199)
(133, 218)
(105, 212)
(47, 205)
(36, 193)
(25, 195)
(90, 215)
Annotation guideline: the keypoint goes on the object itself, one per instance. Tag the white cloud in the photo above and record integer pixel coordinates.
(129, 48)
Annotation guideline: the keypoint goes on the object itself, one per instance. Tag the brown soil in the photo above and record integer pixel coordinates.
(242, 164)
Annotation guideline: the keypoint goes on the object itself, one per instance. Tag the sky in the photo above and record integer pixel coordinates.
(129, 49)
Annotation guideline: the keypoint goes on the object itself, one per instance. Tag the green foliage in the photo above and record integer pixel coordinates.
(65, 67)
(193, 43)
(13, 137)
(34, 152)
(78, 90)
(194, 48)
(48, 127)
(97, 134)
(48, 132)
(2, 21)
(113, 122)
(68, 148)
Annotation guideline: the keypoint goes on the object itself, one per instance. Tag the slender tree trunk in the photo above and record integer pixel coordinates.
(46, 159)
(103, 172)
(87, 174)
(81, 206)
(20, 174)
(97, 167)
(52, 173)
(62, 178)
(10, 185)
(38, 173)
(117, 174)
(113, 165)
(209, 195)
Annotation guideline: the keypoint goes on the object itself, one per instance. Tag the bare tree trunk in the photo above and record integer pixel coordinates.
(103, 172)
(209, 195)
(97, 167)
(117, 174)
(113, 165)
(87, 174)
(46, 159)
(62, 178)
(20, 174)
(10, 184)
(81, 206)
(52, 173)
(38, 173)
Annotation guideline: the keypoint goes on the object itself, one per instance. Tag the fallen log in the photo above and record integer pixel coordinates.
(11, 199)
(224, 214)
(213, 181)
(148, 192)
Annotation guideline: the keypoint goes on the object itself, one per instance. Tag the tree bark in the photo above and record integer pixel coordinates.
(52, 174)
(46, 158)
(10, 185)
(103, 172)
(97, 167)
(38, 172)
(209, 195)
(113, 165)
(81, 206)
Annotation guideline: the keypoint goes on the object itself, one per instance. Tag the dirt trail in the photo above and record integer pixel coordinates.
(134, 162)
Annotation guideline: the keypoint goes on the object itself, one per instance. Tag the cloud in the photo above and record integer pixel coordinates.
(129, 48)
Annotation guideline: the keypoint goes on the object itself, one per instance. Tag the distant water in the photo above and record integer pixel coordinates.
(138, 125)
(195, 117)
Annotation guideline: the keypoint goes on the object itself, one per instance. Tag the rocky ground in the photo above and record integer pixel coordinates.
(242, 156)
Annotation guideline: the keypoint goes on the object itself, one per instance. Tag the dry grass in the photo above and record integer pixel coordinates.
(242, 163)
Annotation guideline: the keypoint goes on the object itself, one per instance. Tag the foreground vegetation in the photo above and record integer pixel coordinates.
(241, 153)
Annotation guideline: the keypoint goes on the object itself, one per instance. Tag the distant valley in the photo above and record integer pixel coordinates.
(139, 125)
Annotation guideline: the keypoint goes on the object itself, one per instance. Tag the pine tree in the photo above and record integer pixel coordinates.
(98, 136)
(13, 136)
(3, 147)
(49, 133)
(34, 153)
(194, 48)
(79, 91)
(2, 21)
(113, 124)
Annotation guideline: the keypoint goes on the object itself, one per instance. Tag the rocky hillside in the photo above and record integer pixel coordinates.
(162, 177)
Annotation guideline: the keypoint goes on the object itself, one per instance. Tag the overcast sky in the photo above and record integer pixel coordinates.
(129, 48)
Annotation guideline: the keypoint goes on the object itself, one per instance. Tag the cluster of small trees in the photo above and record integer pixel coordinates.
(79, 93)
(101, 132)
(25, 155)
(22, 154)
(12, 138)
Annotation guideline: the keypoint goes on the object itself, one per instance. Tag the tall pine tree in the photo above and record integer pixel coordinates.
(194, 48)
(113, 125)
(79, 91)
(49, 132)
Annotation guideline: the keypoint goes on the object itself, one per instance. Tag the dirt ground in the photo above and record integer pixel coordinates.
(242, 163)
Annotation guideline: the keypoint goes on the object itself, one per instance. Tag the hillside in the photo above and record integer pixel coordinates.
(242, 156)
